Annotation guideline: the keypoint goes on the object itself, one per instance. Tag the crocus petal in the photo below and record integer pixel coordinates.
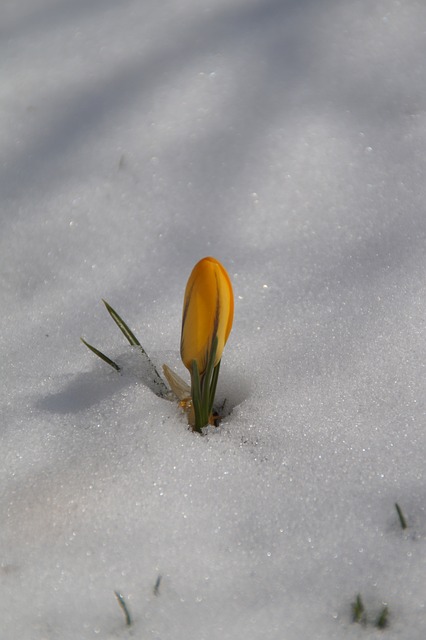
(208, 311)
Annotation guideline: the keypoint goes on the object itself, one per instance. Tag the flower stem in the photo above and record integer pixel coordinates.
(203, 388)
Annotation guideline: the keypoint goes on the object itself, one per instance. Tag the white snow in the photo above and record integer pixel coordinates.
(287, 138)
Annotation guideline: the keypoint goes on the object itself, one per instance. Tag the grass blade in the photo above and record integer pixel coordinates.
(121, 601)
(156, 588)
(383, 619)
(358, 611)
(206, 384)
(214, 385)
(402, 520)
(130, 336)
(162, 390)
(101, 355)
(200, 422)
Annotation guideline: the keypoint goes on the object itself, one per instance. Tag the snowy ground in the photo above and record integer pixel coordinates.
(287, 138)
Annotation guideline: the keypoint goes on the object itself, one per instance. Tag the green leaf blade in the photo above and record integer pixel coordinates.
(101, 355)
(130, 336)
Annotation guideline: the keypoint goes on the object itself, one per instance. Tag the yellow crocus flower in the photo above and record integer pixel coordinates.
(208, 311)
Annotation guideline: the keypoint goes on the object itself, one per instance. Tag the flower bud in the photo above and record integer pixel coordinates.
(208, 311)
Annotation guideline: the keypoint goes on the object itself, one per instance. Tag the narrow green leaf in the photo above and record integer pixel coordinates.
(156, 588)
(402, 520)
(206, 382)
(383, 618)
(358, 610)
(121, 601)
(213, 386)
(101, 355)
(196, 398)
(130, 336)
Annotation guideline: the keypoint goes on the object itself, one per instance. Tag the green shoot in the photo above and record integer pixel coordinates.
(101, 355)
(121, 601)
(203, 388)
(358, 611)
(402, 520)
(213, 385)
(196, 398)
(359, 614)
(130, 336)
(156, 588)
(159, 386)
(382, 620)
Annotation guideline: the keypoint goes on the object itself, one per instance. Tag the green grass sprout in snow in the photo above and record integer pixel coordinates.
(359, 614)
(156, 588)
(382, 620)
(160, 387)
(402, 520)
(121, 601)
(358, 611)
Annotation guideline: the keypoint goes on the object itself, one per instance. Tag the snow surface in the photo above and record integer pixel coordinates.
(287, 138)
